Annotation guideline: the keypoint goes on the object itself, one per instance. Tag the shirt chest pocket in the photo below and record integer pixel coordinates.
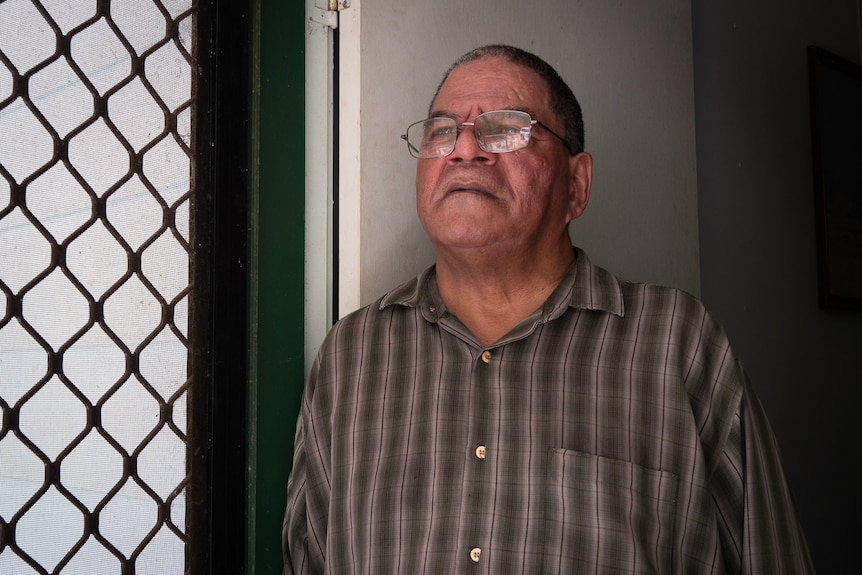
(607, 516)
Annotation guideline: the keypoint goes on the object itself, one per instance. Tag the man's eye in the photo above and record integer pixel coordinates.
(440, 133)
(504, 130)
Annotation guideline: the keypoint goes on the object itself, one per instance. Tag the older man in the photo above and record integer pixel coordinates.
(515, 408)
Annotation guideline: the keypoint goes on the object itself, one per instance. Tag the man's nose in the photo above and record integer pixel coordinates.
(467, 147)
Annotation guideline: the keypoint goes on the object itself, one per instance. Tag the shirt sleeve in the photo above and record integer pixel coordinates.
(294, 528)
(759, 524)
(304, 528)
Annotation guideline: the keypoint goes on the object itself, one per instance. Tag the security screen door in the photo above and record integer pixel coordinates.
(96, 246)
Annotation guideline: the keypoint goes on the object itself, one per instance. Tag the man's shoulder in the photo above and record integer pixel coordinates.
(406, 298)
(638, 301)
(669, 305)
(651, 295)
(596, 288)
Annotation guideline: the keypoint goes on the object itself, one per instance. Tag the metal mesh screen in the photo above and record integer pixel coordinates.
(96, 199)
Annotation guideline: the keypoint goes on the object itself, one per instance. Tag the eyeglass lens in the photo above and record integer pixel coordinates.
(496, 132)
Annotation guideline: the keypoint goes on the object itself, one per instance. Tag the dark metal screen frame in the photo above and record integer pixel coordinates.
(219, 195)
(201, 348)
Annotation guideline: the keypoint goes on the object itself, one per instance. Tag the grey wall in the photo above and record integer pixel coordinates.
(630, 63)
(758, 260)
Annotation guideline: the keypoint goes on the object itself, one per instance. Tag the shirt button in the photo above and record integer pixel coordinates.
(480, 452)
(475, 552)
(486, 356)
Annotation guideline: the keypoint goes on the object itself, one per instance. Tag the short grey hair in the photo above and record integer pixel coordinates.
(563, 100)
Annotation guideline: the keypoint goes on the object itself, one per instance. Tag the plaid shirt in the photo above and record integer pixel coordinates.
(612, 431)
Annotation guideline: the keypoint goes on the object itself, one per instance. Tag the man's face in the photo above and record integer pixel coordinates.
(519, 201)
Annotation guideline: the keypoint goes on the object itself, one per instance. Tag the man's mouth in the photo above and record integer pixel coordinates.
(468, 187)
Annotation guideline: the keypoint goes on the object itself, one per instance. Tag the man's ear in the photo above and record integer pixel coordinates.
(579, 188)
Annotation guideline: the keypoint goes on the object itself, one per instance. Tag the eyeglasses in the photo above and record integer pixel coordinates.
(497, 132)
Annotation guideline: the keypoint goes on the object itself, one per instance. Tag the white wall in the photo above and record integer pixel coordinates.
(629, 63)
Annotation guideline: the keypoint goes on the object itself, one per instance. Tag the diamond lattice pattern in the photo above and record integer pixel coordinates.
(95, 194)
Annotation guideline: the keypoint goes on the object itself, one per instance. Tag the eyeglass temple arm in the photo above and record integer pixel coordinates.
(553, 133)
(409, 145)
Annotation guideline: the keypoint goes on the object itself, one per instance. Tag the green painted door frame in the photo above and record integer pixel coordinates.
(276, 256)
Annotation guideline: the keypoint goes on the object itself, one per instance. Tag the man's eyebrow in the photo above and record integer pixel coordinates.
(448, 114)
(522, 109)
(442, 114)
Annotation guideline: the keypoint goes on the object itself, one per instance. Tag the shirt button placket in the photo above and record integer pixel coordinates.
(480, 450)
(475, 490)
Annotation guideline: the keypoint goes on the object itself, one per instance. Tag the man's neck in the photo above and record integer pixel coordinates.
(492, 294)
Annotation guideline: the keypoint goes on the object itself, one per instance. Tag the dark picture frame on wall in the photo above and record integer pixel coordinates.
(836, 125)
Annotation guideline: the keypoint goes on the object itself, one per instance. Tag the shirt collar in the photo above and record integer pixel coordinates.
(585, 286)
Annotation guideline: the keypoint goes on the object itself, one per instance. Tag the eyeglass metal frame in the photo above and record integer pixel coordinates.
(512, 144)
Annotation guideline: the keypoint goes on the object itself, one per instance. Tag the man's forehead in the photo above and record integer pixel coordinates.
(491, 78)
